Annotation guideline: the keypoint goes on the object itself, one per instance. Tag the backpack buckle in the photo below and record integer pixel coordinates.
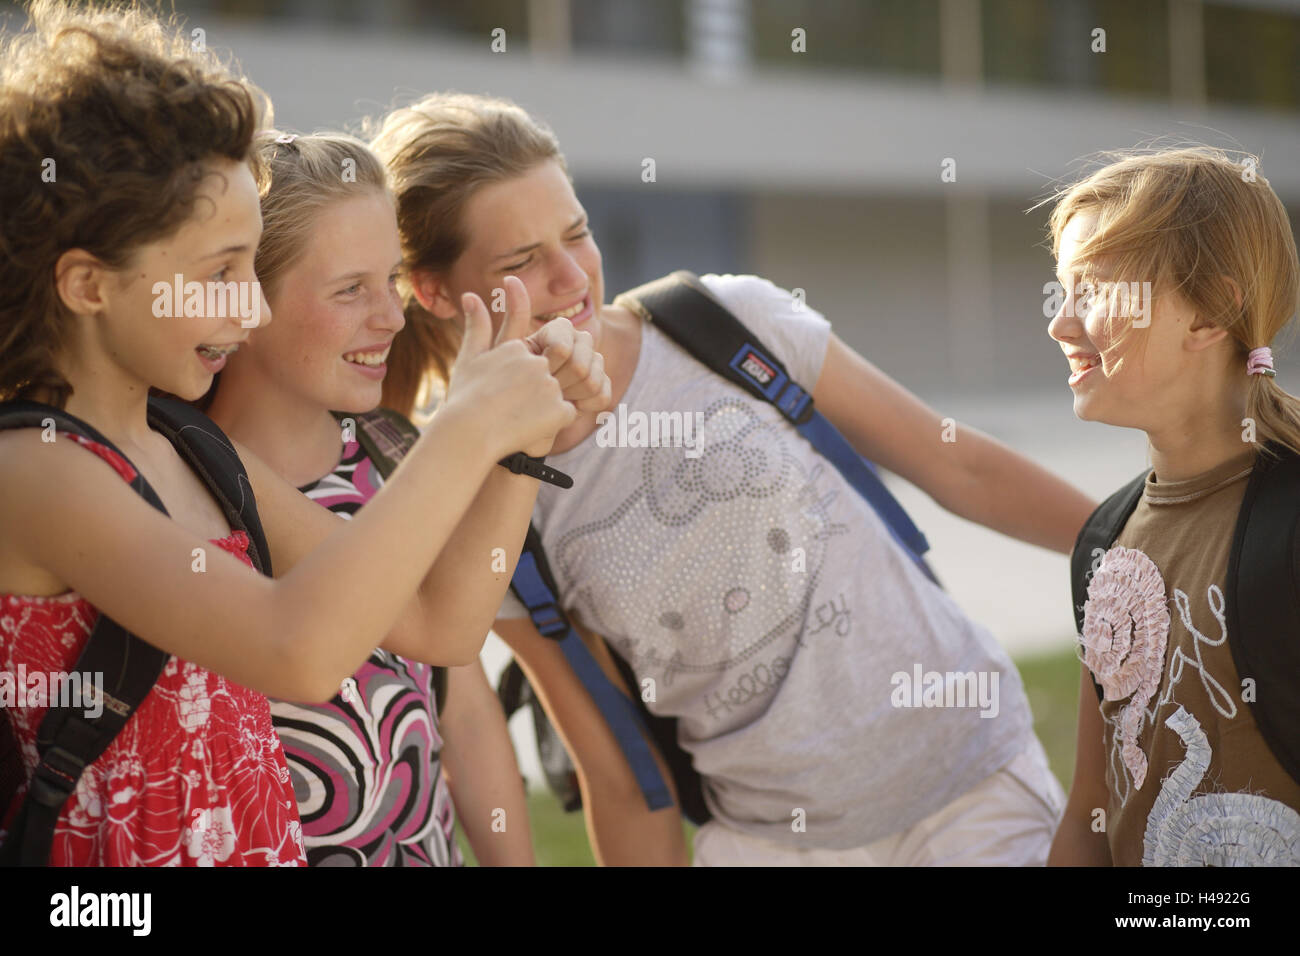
(794, 403)
(56, 777)
(549, 619)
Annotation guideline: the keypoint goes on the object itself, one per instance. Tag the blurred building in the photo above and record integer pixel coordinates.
(804, 140)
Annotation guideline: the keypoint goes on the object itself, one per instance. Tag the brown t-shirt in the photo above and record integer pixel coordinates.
(1191, 780)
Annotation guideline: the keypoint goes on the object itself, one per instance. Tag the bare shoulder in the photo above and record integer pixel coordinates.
(33, 461)
(39, 479)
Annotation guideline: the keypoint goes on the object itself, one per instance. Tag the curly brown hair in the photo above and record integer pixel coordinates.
(108, 119)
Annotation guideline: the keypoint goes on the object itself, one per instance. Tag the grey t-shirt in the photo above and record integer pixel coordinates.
(800, 648)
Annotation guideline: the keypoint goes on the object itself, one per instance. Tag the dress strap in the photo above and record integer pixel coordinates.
(120, 464)
(236, 542)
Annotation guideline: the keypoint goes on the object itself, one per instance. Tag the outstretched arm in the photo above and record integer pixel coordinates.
(296, 637)
(65, 512)
(972, 475)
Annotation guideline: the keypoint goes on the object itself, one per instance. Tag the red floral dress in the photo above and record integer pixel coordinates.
(197, 777)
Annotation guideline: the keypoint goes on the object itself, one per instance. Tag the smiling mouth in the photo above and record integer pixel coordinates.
(371, 359)
(214, 352)
(569, 313)
(1080, 365)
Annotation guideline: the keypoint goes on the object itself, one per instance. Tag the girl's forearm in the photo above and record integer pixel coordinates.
(478, 760)
(463, 590)
(625, 832)
(493, 812)
(1005, 491)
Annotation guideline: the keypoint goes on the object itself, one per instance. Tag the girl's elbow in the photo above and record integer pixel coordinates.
(459, 644)
(303, 672)
(465, 651)
(439, 646)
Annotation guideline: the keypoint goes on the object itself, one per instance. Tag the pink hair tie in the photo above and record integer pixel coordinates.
(1260, 362)
(286, 138)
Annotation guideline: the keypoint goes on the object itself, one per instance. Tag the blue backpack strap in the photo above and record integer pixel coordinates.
(534, 586)
(68, 740)
(1263, 601)
(690, 315)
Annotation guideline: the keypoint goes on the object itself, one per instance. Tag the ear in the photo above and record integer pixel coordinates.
(433, 293)
(1202, 335)
(80, 280)
(1236, 290)
(1200, 338)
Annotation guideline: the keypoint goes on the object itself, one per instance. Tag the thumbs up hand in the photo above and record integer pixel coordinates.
(577, 366)
(500, 380)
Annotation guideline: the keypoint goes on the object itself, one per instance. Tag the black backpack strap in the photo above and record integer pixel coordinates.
(1095, 539)
(689, 784)
(386, 437)
(212, 456)
(1263, 601)
(68, 740)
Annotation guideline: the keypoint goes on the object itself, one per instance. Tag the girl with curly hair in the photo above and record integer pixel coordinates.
(124, 165)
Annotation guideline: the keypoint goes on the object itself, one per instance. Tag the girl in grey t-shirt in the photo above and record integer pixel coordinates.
(838, 705)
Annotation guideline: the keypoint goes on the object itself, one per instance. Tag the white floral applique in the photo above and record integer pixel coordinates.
(1125, 633)
(1214, 829)
(1219, 697)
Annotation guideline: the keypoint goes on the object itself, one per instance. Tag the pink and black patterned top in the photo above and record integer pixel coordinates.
(365, 766)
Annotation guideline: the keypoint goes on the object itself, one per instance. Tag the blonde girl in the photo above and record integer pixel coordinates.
(1180, 271)
(367, 766)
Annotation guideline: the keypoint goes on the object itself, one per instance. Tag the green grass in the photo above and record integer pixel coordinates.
(559, 838)
(1051, 683)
